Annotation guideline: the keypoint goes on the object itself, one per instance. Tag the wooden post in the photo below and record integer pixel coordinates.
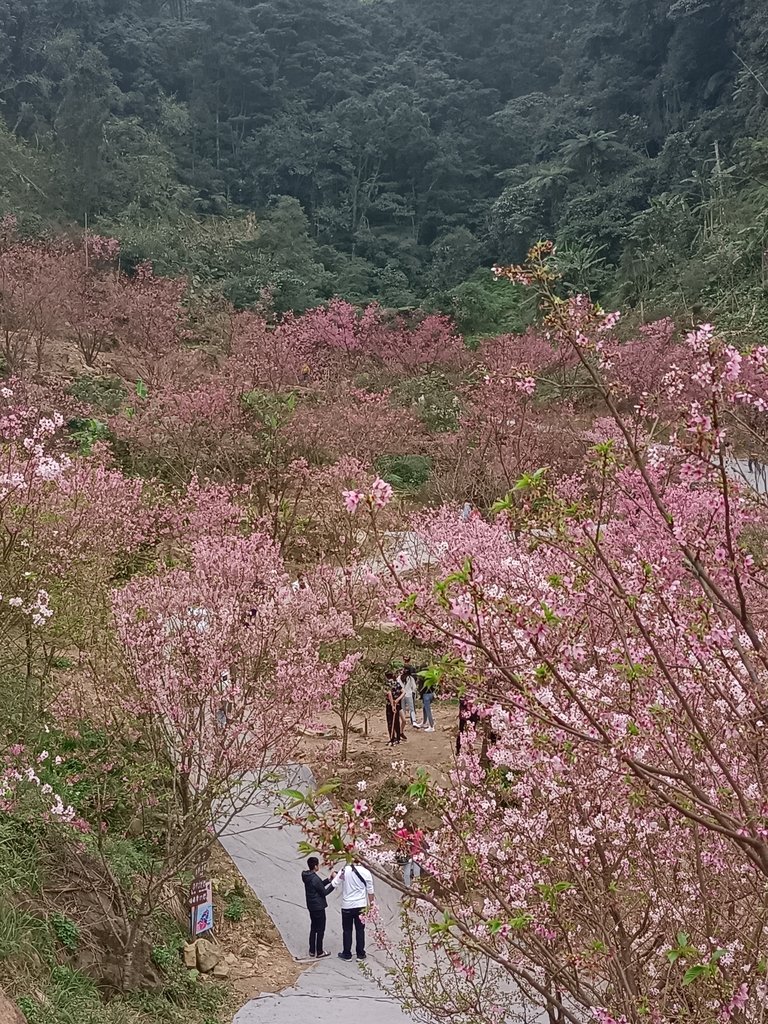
(365, 727)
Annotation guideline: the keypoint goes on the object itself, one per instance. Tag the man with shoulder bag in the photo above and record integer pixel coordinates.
(356, 897)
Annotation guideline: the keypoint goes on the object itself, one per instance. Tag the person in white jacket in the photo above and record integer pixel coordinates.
(356, 896)
(410, 690)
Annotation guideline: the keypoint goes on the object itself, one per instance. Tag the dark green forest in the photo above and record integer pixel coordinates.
(395, 149)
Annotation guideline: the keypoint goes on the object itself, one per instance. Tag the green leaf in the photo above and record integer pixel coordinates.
(529, 481)
(693, 973)
(294, 794)
(142, 391)
(328, 787)
(549, 616)
(522, 921)
(502, 505)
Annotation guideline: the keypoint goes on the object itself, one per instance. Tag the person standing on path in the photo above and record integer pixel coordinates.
(427, 696)
(316, 891)
(356, 897)
(410, 690)
(394, 699)
(410, 843)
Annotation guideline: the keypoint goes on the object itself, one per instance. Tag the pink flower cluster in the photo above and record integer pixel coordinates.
(380, 496)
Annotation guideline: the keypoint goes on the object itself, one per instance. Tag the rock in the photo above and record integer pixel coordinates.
(190, 955)
(9, 1012)
(221, 971)
(208, 955)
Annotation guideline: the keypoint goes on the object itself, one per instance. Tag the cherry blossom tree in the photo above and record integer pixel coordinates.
(178, 431)
(348, 575)
(223, 659)
(66, 526)
(89, 301)
(32, 281)
(382, 339)
(152, 323)
(504, 430)
(347, 421)
(606, 860)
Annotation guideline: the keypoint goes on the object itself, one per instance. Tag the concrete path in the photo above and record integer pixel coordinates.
(331, 990)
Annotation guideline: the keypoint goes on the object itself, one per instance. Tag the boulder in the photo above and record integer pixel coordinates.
(208, 955)
(190, 955)
(9, 1012)
(221, 971)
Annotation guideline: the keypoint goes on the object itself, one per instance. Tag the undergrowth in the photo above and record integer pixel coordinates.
(38, 949)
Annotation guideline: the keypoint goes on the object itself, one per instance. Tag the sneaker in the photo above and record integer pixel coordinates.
(430, 728)
(415, 725)
(363, 957)
(322, 956)
(345, 956)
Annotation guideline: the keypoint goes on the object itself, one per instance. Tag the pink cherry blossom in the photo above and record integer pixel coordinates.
(381, 493)
(351, 500)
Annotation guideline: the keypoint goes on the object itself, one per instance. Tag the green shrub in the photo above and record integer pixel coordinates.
(405, 472)
(87, 433)
(234, 909)
(103, 393)
(388, 796)
(65, 930)
(433, 396)
(165, 956)
(33, 1012)
(60, 662)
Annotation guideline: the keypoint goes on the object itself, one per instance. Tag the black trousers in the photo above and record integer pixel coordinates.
(351, 919)
(393, 723)
(316, 931)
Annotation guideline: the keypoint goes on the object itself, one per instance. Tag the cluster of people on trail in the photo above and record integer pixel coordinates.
(357, 895)
(405, 688)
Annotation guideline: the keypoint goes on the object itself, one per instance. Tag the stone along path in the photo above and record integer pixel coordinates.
(330, 990)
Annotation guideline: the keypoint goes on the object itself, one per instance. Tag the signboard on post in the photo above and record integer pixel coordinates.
(201, 907)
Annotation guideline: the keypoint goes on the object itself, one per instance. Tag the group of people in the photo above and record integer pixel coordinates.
(357, 895)
(405, 688)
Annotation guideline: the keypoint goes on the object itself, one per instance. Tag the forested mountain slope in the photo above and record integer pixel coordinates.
(390, 148)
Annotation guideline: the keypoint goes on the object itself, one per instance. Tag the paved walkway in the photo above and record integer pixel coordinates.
(266, 856)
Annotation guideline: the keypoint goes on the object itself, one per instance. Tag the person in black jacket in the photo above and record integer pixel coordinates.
(316, 891)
